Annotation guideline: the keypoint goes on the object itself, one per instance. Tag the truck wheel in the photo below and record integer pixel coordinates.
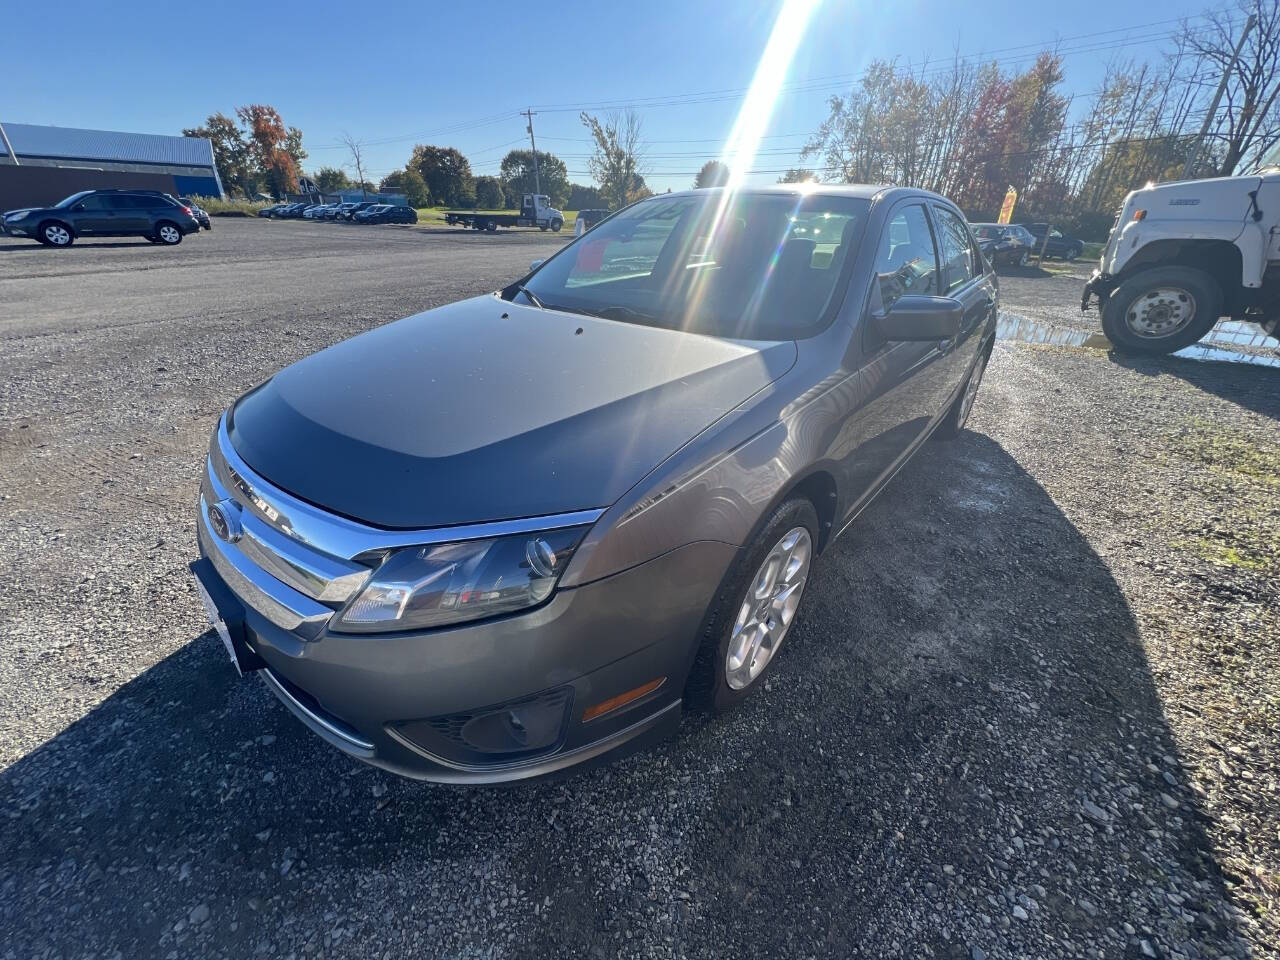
(1161, 310)
(1073, 253)
(491, 226)
(556, 225)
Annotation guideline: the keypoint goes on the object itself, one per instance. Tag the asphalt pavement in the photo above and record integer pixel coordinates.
(1029, 708)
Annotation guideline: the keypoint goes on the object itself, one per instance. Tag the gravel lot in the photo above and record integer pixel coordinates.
(1031, 708)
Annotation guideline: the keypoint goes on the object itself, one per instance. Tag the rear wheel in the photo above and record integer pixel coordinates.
(1073, 253)
(958, 415)
(55, 234)
(1161, 310)
(754, 609)
(556, 225)
(168, 233)
(491, 226)
(1023, 257)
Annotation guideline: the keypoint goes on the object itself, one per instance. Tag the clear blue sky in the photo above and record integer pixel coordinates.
(454, 74)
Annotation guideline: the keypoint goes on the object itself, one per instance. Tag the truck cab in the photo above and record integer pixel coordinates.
(536, 208)
(1181, 255)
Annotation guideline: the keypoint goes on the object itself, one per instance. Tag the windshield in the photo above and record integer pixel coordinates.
(63, 204)
(764, 268)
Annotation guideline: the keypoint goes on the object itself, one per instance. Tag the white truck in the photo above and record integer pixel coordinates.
(535, 211)
(1181, 255)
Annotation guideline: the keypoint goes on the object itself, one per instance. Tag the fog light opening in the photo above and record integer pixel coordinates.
(621, 700)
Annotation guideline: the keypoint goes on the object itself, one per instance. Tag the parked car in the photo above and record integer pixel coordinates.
(345, 210)
(1011, 244)
(359, 208)
(399, 214)
(588, 219)
(275, 210)
(298, 210)
(201, 215)
(1060, 245)
(332, 211)
(315, 211)
(156, 216)
(525, 548)
(372, 214)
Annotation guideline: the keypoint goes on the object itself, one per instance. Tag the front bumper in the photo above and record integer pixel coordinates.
(16, 229)
(393, 700)
(1098, 285)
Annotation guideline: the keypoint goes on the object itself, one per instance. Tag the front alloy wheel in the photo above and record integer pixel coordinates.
(754, 609)
(169, 234)
(56, 235)
(768, 609)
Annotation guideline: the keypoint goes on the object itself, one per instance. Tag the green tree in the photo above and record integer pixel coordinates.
(447, 174)
(331, 179)
(713, 174)
(517, 177)
(408, 182)
(230, 153)
(616, 160)
(584, 198)
(798, 175)
(489, 194)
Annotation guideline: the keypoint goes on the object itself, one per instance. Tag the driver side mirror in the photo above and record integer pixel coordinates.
(534, 265)
(918, 318)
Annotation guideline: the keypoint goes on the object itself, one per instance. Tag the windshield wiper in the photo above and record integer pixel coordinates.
(533, 297)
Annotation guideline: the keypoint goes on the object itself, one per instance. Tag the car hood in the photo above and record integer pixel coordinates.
(488, 410)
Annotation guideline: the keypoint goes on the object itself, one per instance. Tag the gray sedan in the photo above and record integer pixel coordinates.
(512, 534)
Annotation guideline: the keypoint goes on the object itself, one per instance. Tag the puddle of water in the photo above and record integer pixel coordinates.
(1215, 346)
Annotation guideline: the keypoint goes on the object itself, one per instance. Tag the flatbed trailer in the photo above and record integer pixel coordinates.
(535, 211)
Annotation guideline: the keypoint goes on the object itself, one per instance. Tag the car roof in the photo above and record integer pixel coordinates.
(866, 191)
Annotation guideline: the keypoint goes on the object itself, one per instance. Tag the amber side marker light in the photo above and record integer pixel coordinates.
(1139, 214)
(621, 700)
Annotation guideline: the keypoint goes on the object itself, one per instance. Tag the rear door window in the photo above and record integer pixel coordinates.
(960, 264)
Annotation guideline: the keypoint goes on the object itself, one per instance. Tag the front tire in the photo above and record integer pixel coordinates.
(556, 225)
(1161, 310)
(168, 233)
(754, 610)
(55, 234)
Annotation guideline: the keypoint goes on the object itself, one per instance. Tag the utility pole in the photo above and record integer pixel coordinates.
(1193, 154)
(537, 184)
(8, 146)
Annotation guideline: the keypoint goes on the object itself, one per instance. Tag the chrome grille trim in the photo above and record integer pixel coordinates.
(278, 602)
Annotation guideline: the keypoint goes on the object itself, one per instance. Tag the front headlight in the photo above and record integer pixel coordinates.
(439, 584)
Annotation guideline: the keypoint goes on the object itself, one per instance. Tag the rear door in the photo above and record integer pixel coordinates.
(965, 277)
(135, 215)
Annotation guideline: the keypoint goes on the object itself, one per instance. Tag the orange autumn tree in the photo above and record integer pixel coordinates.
(272, 146)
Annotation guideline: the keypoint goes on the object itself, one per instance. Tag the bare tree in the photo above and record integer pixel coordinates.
(1245, 125)
(355, 146)
(618, 156)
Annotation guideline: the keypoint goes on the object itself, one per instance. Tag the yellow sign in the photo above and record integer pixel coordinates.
(1006, 208)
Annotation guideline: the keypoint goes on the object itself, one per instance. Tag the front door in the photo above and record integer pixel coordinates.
(898, 381)
(92, 217)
